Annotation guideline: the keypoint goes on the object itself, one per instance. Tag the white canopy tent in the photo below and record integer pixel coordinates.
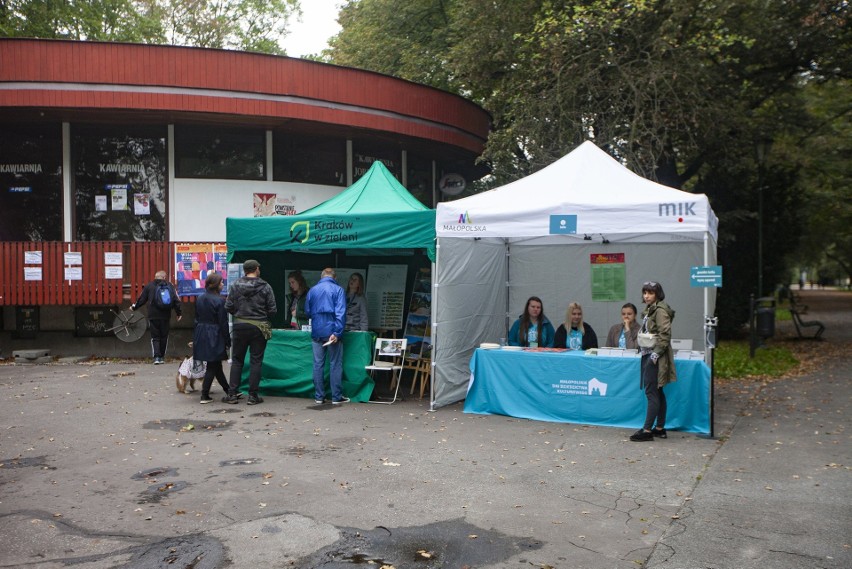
(538, 237)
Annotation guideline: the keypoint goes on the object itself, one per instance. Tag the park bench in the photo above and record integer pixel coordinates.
(801, 324)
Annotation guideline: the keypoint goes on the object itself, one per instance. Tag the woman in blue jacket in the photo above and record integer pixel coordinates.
(210, 339)
(532, 329)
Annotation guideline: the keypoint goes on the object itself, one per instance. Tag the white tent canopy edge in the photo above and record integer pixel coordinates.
(535, 236)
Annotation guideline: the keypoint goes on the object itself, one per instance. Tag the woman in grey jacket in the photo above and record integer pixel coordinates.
(356, 304)
(658, 367)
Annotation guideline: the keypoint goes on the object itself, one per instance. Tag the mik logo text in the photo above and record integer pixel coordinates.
(679, 209)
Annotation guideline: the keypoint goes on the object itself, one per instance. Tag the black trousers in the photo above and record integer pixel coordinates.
(654, 393)
(246, 338)
(159, 336)
(214, 370)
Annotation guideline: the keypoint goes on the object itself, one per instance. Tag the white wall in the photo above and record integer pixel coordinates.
(199, 207)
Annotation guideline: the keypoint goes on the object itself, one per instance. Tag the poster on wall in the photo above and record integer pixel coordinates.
(32, 273)
(73, 258)
(73, 273)
(100, 203)
(141, 204)
(119, 196)
(32, 257)
(609, 277)
(266, 205)
(386, 296)
(194, 261)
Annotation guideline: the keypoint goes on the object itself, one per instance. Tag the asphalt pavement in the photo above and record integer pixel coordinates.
(105, 464)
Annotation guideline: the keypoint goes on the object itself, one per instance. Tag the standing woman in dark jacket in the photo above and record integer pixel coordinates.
(210, 340)
(658, 367)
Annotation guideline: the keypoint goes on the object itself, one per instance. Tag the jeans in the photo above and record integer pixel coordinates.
(335, 358)
(246, 337)
(654, 393)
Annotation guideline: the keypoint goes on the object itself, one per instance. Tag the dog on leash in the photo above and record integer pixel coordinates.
(189, 372)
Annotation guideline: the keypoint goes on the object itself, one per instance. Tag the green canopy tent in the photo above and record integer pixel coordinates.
(376, 212)
(375, 220)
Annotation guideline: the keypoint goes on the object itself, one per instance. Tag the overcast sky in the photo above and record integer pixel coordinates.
(319, 22)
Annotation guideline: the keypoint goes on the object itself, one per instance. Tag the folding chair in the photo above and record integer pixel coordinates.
(389, 355)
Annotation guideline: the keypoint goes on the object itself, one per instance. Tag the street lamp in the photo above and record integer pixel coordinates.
(762, 148)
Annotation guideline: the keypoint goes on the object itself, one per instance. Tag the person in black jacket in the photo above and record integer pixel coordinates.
(575, 334)
(210, 339)
(252, 302)
(159, 312)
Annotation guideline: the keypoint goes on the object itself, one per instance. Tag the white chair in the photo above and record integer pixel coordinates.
(389, 356)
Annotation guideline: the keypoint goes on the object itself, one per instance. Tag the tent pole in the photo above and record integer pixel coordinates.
(434, 323)
(508, 280)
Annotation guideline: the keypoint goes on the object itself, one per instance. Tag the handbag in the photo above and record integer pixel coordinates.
(646, 340)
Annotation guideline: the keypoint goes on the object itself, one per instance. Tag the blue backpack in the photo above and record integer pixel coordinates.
(163, 297)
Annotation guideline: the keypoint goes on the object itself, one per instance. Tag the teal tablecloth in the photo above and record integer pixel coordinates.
(571, 387)
(288, 365)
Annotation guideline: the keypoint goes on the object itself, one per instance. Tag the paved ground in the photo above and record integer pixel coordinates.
(108, 466)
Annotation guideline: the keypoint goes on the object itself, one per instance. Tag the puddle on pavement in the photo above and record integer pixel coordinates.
(195, 551)
(333, 445)
(263, 414)
(156, 492)
(182, 425)
(155, 472)
(26, 462)
(249, 475)
(240, 462)
(454, 543)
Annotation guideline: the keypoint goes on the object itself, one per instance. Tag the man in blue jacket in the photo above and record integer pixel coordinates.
(326, 307)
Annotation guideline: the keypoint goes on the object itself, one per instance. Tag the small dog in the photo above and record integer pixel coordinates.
(188, 372)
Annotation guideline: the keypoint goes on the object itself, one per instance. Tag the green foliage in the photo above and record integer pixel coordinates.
(732, 361)
(249, 25)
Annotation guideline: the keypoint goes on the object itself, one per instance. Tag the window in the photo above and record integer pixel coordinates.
(364, 153)
(420, 179)
(31, 183)
(222, 153)
(119, 183)
(308, 159)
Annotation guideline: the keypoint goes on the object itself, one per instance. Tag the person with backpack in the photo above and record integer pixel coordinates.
(163, 297)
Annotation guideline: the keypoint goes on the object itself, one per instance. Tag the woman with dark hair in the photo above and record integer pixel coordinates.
(623, 335)
(210, 339)
(574, 333)
(532, 329)
(658, 367)
(356, 304)
(296, 300)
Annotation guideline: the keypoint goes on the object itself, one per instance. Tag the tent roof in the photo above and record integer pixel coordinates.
(376, 191)
(376, 212)
(601, 194)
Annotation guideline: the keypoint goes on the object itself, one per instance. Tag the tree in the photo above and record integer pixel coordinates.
(248, 25)
(679, 91)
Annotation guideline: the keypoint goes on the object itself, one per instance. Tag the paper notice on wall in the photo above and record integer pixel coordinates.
(32, 273)
(100, 203)
(112, 258)
(609, 277)
(119, 199)
(73, 258)
(32, 257)
(266, 205)
(142, 204)
(73, 273)
(113, 272)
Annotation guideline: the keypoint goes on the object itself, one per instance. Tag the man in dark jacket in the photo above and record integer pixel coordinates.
(326, 307)
(252, 303)
(159, 312)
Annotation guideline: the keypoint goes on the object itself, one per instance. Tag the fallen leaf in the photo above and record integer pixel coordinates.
(180, 512)
(188, 427)
(472, 536)
(390, 464)
(424, 554)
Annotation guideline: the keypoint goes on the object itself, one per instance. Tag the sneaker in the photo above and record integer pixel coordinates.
(340, 401)
(641, 436)
(159, 361)
(156, 361)
(319, 401)
(659, 433)
(254, 400)
(231, 399)
(238, 394)
(206, 399)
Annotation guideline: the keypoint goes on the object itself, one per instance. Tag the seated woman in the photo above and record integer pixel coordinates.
(574, 333)
(532, 329)
(296, 300)
(623, 335)
(356, 304)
